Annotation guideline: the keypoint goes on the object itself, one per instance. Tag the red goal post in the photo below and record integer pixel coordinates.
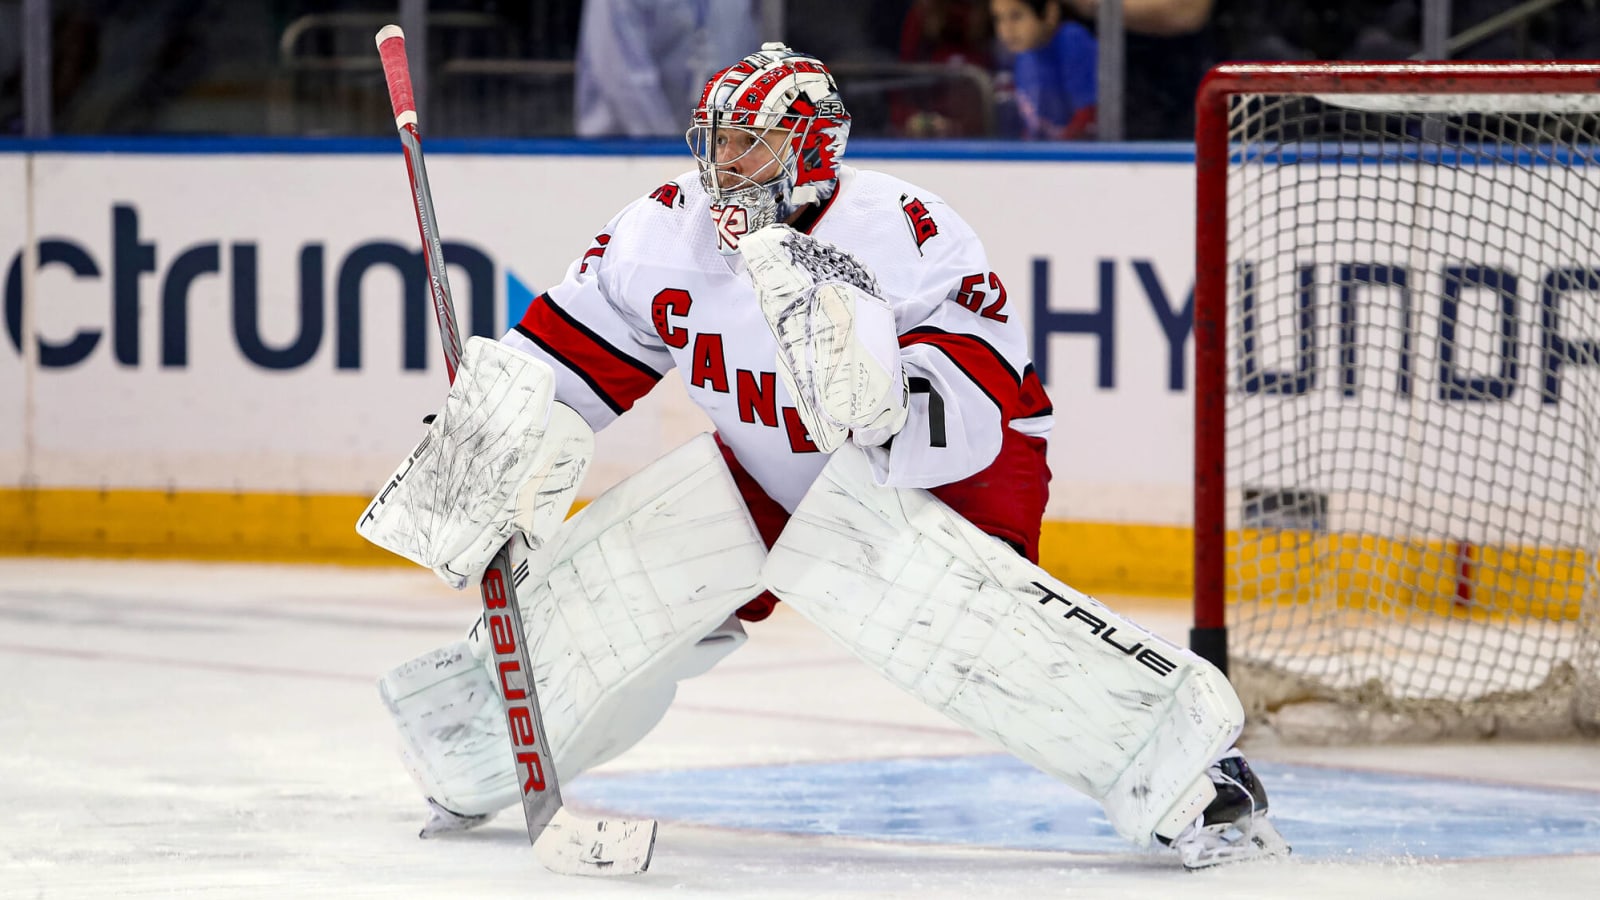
(1397, 273)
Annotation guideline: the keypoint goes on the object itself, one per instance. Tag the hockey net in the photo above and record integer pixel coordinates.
(1397, 329)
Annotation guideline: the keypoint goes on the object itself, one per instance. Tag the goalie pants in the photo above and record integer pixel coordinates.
(1005, 500)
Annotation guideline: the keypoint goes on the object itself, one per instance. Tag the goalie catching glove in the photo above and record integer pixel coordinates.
(500, 444)
(838, 347)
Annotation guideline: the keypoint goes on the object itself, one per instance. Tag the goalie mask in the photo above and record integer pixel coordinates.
(767, 135)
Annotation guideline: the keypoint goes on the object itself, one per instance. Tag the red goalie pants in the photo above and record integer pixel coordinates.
(1005, 500)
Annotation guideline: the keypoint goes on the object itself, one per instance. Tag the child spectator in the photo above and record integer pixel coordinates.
(1054, 68)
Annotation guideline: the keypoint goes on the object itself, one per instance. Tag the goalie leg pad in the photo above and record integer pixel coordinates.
(631, 595)
(621, 718)
(444, 705)
(966, 625)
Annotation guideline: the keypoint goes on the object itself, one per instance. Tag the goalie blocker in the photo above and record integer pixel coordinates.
(501, 457)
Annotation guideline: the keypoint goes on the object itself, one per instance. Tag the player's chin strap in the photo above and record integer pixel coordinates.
(975, 631)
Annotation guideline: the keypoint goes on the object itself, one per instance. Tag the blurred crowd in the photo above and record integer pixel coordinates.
(1022, 69)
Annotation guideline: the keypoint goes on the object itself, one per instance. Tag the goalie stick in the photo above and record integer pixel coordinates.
(563, 842)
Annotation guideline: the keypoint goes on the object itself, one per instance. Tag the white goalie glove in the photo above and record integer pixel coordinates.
(838, 347)
(500, 444)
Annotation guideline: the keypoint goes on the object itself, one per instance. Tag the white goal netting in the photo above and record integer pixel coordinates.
(1413, 413)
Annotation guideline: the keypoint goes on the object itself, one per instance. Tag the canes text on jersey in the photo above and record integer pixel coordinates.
(755, 392)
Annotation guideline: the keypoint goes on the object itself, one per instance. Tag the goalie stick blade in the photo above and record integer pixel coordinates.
(573, 846)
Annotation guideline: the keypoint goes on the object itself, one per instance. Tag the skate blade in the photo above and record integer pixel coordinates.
(442, 821)
(1231, 844)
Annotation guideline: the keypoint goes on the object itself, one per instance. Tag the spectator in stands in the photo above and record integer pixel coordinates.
(1159, 18)
(1053, 69)
(952, 33)
(641, 63)
(1167, 51)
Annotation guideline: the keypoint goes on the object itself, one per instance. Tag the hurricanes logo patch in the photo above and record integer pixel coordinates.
(594, 252)
(732, 222)
(920, 220)
(667, 195)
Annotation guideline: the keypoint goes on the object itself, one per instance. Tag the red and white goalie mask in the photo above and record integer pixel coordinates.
(768, 134)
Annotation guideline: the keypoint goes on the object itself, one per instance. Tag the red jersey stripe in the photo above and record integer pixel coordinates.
(1032, 397)
(984, 366)
(617, 379)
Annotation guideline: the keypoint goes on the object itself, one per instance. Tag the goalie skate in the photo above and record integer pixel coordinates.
(1234, 826)
(443, 821)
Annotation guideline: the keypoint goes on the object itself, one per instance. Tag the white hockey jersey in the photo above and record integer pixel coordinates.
(653, 294)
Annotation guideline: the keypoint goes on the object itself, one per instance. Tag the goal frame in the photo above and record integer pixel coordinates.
(1209, 635)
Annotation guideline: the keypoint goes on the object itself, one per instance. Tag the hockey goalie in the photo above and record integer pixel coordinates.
(878, 464)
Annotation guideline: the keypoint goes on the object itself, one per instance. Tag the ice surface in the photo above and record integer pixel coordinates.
(174, 729)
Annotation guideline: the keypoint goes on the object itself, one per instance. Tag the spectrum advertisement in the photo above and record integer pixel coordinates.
(260, 323)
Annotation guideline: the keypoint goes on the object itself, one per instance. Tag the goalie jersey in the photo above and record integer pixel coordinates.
(652, 294)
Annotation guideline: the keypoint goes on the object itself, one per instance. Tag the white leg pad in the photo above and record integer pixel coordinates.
(621, 718)
(629, 596)
(445, 706)
(963, 623)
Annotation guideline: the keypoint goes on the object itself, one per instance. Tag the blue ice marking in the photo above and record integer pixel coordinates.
(999, 801)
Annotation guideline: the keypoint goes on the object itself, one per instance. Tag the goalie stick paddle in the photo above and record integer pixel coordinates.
(563, 842)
